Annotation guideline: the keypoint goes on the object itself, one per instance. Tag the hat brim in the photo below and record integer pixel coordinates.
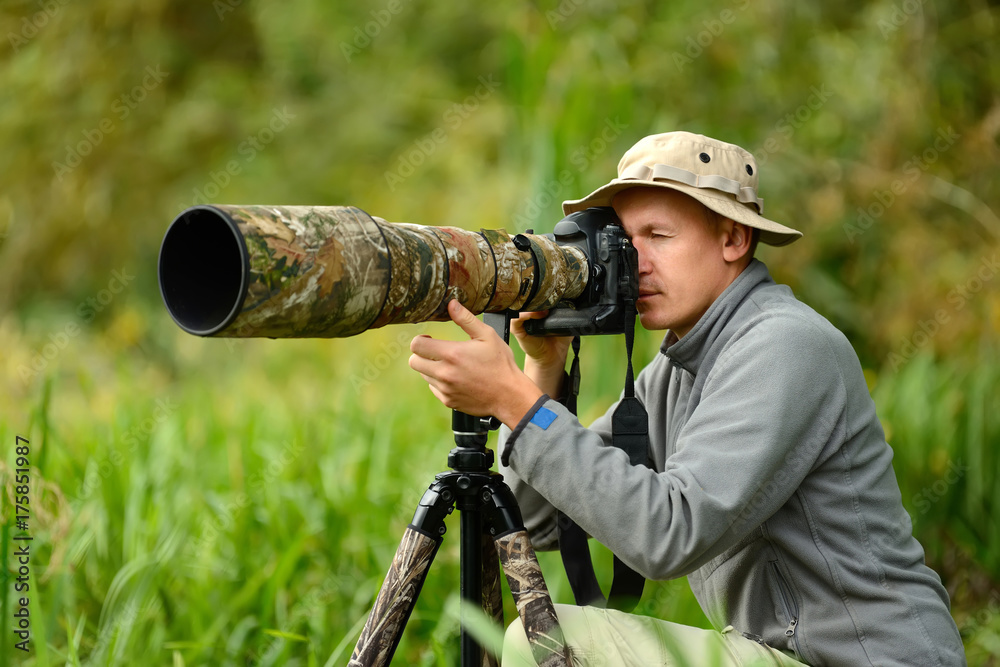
(771, 232)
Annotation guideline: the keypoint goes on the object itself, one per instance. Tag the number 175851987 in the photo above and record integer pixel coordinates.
(22, 482)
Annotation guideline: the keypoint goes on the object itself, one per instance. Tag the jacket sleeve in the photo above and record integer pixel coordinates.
(539, 514)
(774, 397)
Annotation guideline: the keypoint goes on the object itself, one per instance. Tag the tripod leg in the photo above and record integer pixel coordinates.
(524, 577)
(492, 596)
(395, 600)
(531, 596)
(399, 591)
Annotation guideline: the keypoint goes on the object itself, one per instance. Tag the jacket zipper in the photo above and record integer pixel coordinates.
(790, 612)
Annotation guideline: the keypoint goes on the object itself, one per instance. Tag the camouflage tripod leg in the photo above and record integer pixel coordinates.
(524, 577)
(395, 600)
(492, 596)
(538, 616)
(401, 588)
(402, 585)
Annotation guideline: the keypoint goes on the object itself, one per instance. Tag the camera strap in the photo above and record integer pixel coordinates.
(629, 432)
(573, 546)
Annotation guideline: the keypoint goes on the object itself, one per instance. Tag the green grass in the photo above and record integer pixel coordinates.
(210, 502)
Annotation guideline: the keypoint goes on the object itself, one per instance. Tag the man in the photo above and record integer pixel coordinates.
(772, 487)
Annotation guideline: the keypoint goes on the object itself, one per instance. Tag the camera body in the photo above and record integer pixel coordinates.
(613, 282)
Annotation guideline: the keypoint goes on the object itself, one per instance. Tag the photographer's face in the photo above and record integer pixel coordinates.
(686, 259)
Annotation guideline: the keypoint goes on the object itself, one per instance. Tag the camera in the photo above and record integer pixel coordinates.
(303, 271)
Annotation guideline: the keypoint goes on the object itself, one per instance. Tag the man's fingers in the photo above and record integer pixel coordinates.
(517, 326)
(422, 365)
(439, 396)
(464, 318)
(428, 348)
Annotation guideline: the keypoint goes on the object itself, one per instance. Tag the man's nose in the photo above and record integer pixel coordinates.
(644, 265)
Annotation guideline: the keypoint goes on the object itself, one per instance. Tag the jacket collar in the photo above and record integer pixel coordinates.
(690, 351)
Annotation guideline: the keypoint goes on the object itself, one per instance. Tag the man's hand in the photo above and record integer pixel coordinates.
(544, 356)
(478, 376)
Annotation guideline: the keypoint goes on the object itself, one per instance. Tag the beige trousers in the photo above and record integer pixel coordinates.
(611, 638)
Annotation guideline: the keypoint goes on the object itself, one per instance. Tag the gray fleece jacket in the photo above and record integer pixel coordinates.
(772, 487)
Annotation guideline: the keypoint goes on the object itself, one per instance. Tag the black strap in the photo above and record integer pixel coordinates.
(575, 551)
(629, 432)
(572, 391)
(630, 423)
(573, 546)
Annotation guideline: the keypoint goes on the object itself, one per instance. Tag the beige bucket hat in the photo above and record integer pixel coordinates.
(721, 176)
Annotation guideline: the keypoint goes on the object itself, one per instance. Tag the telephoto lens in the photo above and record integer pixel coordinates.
(335, 271)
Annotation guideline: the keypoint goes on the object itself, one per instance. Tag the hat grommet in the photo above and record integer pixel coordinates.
(749, 170)
(704, 157)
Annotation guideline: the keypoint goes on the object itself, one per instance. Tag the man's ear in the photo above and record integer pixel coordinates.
(736, 239)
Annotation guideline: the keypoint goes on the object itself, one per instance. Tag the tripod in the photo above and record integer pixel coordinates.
(491, 526)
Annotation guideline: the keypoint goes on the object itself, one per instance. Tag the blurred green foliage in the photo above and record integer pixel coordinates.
(876, 125)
